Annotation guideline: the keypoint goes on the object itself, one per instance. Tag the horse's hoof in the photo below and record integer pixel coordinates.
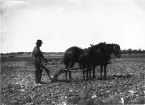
(90, 78)
(54, 80)
(105, 78)
(70, 79)
(87, 79)
(100, 78)
(94, 77)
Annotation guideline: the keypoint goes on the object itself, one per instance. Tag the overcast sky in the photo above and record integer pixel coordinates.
(61, 24)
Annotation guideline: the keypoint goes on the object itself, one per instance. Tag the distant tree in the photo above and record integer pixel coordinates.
(132, 51)
(139, 51)
(124, 51)
(129, 51)
(143, 51)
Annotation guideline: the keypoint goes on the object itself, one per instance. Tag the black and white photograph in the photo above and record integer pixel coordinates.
(72, 52)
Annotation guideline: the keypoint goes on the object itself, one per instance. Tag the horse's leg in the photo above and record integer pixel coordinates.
(87, 72)
(84, 72)
(94, 71)
(70, 66)
(66, 70)
(90, 70)
(105, 74)
(101, 69)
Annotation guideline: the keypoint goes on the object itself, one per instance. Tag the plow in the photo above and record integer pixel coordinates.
(60, 71)
(54, 79)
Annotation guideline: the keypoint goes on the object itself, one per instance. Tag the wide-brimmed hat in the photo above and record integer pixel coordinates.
(39, 42)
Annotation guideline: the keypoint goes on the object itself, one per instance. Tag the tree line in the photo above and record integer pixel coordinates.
(124, 51)
(132, 51)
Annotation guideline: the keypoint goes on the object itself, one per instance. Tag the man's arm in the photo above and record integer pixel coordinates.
(43, 57)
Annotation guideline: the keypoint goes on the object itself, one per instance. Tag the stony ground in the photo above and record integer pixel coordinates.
(125, 84)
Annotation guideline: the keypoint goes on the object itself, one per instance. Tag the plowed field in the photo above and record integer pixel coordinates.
(125, 84)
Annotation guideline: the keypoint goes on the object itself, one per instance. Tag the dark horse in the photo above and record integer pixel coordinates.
(88, 59)
(108, 49)
(84, 57)
(71, 56)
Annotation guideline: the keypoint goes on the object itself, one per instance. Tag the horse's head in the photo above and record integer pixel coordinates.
(116, 50)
